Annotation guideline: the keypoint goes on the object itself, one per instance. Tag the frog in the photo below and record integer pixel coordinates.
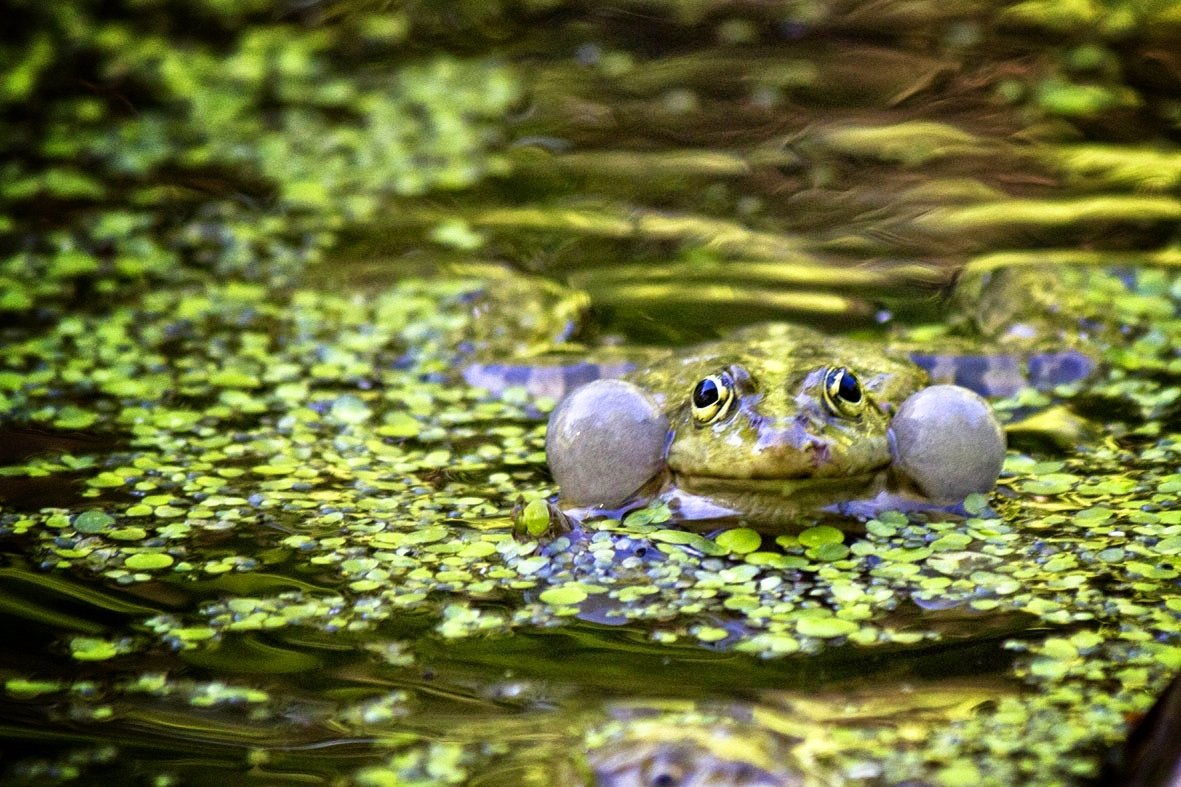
(1010, 330)
(771, 422)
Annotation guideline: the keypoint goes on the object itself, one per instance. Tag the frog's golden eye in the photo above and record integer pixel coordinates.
(842, 392)
(712, 398)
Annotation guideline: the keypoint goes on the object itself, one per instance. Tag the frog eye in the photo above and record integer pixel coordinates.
(712, 398)
(842, 392)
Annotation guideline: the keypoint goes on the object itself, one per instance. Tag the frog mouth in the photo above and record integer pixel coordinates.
(775, 502)
(831, 487)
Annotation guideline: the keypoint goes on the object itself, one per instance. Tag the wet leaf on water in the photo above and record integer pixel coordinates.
(148, 561)
(93, 521)
(739, 541)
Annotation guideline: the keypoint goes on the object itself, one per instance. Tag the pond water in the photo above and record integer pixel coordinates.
(255, 525)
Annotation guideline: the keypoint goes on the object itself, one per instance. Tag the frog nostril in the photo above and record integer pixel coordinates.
(790, 436)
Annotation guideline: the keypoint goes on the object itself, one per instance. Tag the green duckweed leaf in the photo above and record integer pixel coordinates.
(93, 521)
(739, 541)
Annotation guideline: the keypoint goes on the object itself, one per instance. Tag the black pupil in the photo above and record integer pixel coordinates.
(706, 393)
(849, 389)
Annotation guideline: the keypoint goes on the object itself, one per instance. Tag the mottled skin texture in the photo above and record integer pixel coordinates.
(779, 445)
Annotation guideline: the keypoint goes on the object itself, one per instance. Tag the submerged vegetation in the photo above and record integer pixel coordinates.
(253, 520)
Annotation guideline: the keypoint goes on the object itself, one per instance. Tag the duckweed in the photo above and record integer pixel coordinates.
(562, 596)
(92, 649)
(147, 561)
(93, 521)
(536, 517)
(739, 541)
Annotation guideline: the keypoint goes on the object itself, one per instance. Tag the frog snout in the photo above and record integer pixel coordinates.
(791, 448)
(790, 436)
